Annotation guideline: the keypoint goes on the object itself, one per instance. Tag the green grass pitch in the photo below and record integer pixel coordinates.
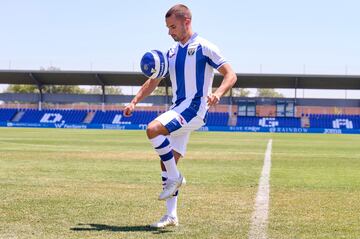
(64, 183)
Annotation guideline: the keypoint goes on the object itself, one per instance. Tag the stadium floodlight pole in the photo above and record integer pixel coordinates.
(230, 104)
(103, 98)
(304, 73)
(39, 85)
(101, 82)
(296, 86)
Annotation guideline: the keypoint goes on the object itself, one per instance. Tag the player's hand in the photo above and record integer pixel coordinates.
(213, 99)
(129, 109)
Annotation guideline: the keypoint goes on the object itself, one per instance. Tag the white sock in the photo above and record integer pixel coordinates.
(171, 168)
(171, 203)
(162, 146)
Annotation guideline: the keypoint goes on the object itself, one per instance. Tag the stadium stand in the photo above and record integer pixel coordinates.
(7, 114)
(268, 121)
(217, 119)
(100, 117)
(258, 114)
(334, 121)
(115, 117)
(53, 116)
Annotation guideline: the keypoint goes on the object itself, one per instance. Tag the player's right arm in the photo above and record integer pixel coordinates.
(146, 89)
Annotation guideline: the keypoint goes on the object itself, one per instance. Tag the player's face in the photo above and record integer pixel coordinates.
(177, 28)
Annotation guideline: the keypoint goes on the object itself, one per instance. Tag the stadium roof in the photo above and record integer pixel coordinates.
(293, 81)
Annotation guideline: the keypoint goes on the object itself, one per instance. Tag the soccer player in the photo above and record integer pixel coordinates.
(192, 61)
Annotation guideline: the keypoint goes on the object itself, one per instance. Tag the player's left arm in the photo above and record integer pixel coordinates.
(229, 80)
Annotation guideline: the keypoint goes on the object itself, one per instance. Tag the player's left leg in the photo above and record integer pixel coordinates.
(156, 133)
(179, 144)
(173, 123)
(171, 203)
(170, 218)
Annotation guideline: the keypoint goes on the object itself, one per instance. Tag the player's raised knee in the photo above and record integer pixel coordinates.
(155, 128)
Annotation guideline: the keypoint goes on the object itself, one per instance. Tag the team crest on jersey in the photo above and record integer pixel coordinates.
(191, 51)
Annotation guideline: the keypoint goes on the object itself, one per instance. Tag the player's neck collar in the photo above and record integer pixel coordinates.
(190, 39)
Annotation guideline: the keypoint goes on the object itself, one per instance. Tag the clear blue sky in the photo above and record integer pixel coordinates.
(279, 36)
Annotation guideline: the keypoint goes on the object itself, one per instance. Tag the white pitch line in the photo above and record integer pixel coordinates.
(259, 220)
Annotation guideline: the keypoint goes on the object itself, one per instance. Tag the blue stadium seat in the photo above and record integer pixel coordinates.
(145, 117)
(117, 117)
(217, 119)
(7, 114)
(268, 121)
(53, 116)
(328, 120)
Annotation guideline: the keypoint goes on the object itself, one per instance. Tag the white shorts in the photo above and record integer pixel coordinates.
(179, 129)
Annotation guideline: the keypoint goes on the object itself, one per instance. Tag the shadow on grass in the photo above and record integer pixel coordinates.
(103, 227)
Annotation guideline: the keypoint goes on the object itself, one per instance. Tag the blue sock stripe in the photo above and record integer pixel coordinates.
(163, 179)
(164, 144)
(166, 157)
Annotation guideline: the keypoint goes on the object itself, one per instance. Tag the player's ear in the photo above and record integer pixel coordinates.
(187, 21)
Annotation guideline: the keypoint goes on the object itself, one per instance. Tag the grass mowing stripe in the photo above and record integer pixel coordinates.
(72, 183)
(260, 216)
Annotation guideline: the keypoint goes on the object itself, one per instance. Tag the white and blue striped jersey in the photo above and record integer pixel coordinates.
(191, 69)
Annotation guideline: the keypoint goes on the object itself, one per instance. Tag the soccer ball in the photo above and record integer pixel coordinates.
(154, 64)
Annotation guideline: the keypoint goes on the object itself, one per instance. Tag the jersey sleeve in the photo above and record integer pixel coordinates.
(214, 56)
